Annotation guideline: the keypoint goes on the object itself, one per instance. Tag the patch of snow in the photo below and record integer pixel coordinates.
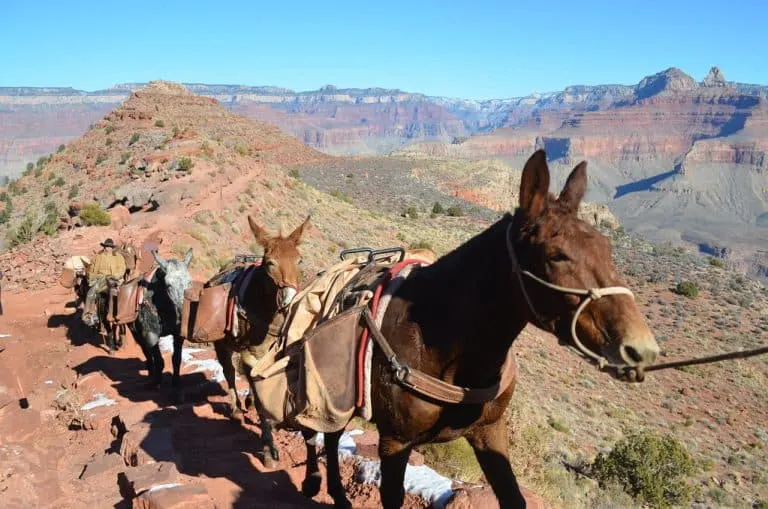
(101, 400)
(420, 480)
(188, 359)
(49, 382)
(210, 365)
(347, 446)
(243, 393)
(5, 335)
(163, 487)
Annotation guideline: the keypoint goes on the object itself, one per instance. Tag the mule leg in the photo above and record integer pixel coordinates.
(142, 341)
(312, 479)
(335, 487)
(121, 336)
(491, 444)
(158, 364)
(224, 356)
(271, 454)
(178, 345)
(394, 459)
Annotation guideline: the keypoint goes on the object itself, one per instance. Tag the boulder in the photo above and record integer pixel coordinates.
(136, 481)
(185, 496)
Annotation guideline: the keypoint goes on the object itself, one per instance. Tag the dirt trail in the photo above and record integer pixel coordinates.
(60, 452)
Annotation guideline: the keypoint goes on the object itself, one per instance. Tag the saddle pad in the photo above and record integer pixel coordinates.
(379, 306)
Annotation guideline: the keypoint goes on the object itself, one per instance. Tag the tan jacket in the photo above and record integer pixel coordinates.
(105, 264)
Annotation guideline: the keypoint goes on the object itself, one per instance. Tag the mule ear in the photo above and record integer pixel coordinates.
(159, 259)
(534, 186)
(259, 233)
(295, 236)
(575, 188)
(188, 257)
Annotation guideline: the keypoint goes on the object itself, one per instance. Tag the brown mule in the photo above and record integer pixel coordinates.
(272, 288)
(457, 318)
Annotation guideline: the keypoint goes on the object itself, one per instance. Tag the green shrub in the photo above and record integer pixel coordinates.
(294, 173)
(339, 195)
(100, 159)
(23, 233)
(437, 208)
(650, 467)
(38, 173)
(455, 459)
(124, 158)
(93, 215)
(61, 149)
(411, 212)
(185, 164)
(243, 150)
(108, 142)
(176, 131)
(59, 182)
(30, 167)
(46, 191)
(716, 262)
(688, 289)
(41, 162)
(455, 211)
(134, 139)
(73, 191)
(159, 123)
(421, 244)
(109, 129)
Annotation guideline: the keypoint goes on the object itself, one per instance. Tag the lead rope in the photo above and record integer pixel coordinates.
(594, 294)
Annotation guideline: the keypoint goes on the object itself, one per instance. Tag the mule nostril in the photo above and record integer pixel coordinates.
(633, 354)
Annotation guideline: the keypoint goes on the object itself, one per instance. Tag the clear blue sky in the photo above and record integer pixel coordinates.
(468, 48)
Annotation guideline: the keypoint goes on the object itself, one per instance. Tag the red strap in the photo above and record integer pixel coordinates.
(391, 274)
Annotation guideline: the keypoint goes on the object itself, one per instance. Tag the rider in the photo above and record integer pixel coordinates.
(106, 264)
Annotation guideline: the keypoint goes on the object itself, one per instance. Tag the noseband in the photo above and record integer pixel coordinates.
(588, 296)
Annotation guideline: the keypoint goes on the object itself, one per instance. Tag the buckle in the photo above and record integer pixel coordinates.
(398, 370)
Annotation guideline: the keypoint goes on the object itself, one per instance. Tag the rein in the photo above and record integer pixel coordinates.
(594, 294)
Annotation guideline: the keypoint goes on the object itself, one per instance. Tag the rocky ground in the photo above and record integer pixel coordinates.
(90, 435)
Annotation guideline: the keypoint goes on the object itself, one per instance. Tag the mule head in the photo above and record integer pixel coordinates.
(281, 259)
(176, 276)
(555, 247)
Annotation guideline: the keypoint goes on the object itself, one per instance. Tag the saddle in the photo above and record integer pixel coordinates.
(211, 311)
(311, 375)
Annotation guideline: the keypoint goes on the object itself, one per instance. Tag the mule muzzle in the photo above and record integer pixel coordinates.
(285, 296)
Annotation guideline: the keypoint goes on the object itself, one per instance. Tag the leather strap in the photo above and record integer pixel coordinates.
(434, 388)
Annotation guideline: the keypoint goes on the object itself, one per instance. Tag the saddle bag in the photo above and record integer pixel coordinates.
(127, 301)
(67, 278)
(204, 313)
(312, 381)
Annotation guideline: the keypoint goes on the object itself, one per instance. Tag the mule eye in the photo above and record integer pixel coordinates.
(559, 257)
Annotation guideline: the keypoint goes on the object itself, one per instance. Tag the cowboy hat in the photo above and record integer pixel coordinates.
(108, 243)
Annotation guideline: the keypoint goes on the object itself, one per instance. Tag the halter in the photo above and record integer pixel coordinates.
(589, 295)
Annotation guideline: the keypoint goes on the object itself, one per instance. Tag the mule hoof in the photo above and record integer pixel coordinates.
(311, 485)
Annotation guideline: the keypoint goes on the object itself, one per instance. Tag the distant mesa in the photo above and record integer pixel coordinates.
(669, 81)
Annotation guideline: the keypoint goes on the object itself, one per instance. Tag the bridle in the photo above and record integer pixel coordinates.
(588, 295)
